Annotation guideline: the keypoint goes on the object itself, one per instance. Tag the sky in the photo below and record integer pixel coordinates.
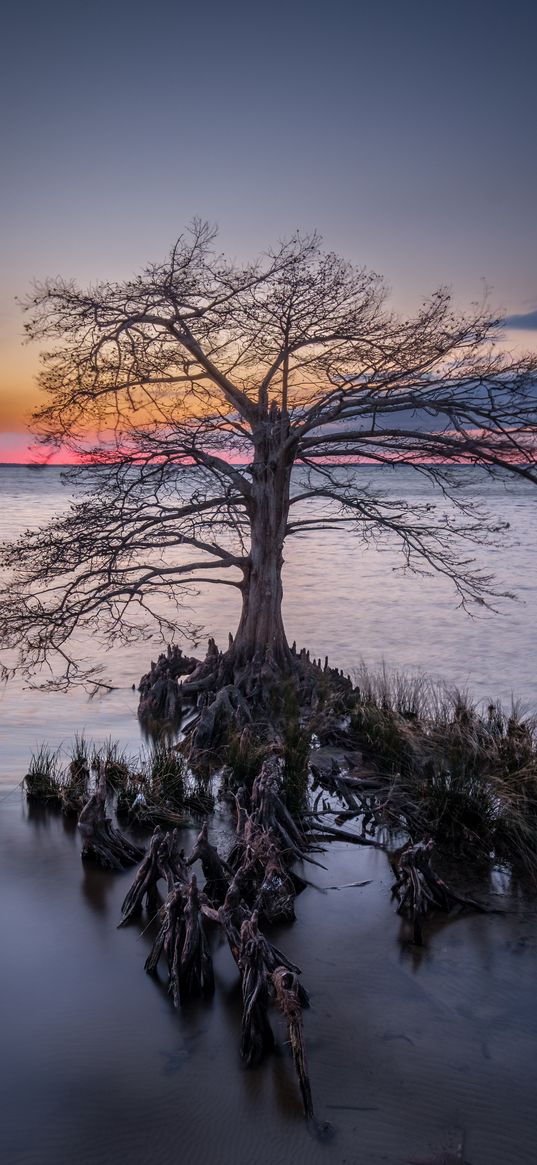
(403, 133)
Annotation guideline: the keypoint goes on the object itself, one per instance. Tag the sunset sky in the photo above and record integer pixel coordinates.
(405, 133)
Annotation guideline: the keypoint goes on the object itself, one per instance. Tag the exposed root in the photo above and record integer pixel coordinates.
(161, 699)
(257, 1036)
(286, 988)
(164, 860)
(419, 889)
(101, 841)
(196, 976)
(216, 875)
(145, 882)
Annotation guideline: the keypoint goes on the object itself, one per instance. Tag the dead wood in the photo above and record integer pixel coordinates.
(171, 860)
(214, 868)
(275, 899)
(101, 841)
(169, 939)
(195, 972)
(256, 1033)
(286, 987)
(324, 832)
(145, 881)
(419, 889)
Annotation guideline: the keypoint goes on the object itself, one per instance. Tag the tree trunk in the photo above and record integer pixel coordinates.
(261, 633)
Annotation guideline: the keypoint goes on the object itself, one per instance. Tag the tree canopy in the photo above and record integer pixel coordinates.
(192, 391)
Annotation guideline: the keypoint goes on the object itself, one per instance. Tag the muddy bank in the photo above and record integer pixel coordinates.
(407, 1049)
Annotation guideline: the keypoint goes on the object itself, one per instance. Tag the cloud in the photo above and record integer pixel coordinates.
(526, 322)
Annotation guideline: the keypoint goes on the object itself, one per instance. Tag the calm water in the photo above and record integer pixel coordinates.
(340, 600)
(407, 1049)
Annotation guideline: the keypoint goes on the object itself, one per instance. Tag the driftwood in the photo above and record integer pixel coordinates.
(325, 832)
(101, 841)
(419, 889)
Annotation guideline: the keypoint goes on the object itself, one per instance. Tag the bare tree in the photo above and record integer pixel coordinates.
(194, 390)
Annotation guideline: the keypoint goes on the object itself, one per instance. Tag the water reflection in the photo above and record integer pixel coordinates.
(96, 887)
(399, 1038)
(38, 816)
(340, 599)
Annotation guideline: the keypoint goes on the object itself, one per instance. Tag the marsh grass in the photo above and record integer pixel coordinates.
(166, 771)
(467, 777)
(43, 781)
(75, 783)
(244, 755)
(463, 775)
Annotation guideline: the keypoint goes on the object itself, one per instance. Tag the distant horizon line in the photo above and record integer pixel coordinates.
(244, 464)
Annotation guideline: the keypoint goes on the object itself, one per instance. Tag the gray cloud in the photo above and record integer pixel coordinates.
(527, 321)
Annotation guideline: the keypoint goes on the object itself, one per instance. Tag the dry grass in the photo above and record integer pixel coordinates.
(468, 777)
(43, 781)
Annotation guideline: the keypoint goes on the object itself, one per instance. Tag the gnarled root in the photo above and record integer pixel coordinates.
(145, 882)
(161, 699)
(228, 707)
(275, 899)
(181, 938)
(164, 860)
(214, 869)
(169, 940)
(196, 976)
(256, 1033)
(286, 987)
(419, 889)
(271, 813)
(101, 841)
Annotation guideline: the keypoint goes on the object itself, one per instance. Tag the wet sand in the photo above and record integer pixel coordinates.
(408, 1050)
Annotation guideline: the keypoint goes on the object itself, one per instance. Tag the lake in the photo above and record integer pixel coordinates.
(410, 1051)
(340, 599)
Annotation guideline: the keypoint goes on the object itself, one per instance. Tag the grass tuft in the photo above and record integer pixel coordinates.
(466, 777)
(43, 781)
